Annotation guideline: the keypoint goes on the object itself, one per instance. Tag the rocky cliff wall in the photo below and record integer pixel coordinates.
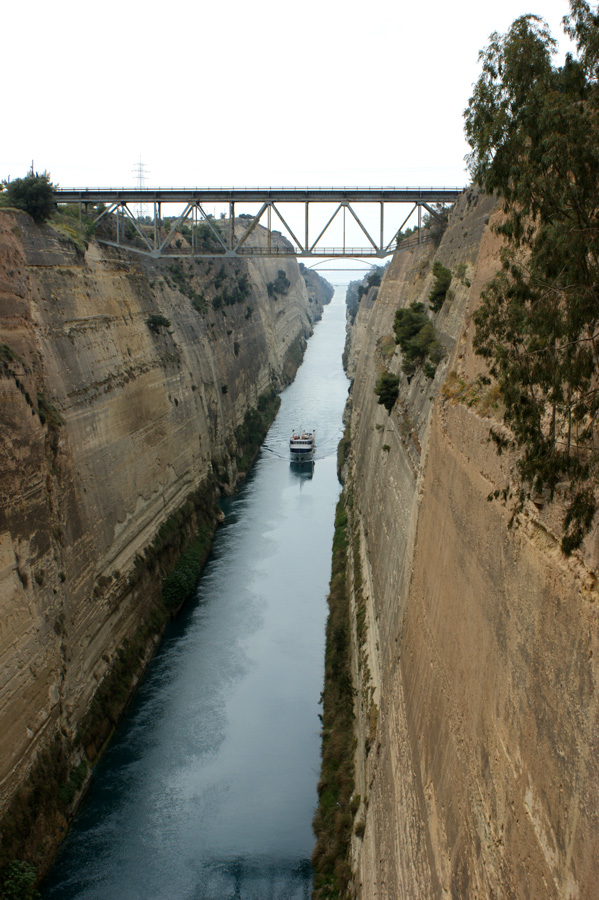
(475, 646)
(106, 426)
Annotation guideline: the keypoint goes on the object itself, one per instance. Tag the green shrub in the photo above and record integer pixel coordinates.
(180, 584)
(417, 338)
(182, 280)
(280, 285)
(436, 225)
(155, 322)
(68, 790)
(387, 389)
(204, 238)
(237, 292)
(19, 882)
(220, 277)
(334, 816)
(73, 223)
(440, 287)
(40, 797)
(7, 354)
(243, 284)
(374, 278)
(256, 423)
(343, 450)
(34, 194)
(47, 412)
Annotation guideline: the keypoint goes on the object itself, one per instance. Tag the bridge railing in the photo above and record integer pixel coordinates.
(228, 188)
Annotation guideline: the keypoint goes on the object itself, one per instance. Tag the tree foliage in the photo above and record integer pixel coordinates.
(19, 882)
(417, 339)
(280, 285)
(374, 278)
(34, 194)
(387, 389)
(156, 322)
(437, 296)
(533, 129)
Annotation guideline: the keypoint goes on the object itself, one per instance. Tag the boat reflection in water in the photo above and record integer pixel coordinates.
(302, 469)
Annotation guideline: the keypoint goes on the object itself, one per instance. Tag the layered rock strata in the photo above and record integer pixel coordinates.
(123, 381)
(475, 645)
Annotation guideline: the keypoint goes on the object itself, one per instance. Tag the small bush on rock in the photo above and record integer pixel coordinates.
(387, 389)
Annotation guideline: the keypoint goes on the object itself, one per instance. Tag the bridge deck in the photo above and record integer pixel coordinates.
(258, 195)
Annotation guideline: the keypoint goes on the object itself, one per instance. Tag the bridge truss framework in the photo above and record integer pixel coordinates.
(234, 239)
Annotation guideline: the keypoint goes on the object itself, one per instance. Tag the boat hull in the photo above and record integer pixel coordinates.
(301, 455)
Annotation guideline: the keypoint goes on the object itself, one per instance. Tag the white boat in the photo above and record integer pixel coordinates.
(301, 445)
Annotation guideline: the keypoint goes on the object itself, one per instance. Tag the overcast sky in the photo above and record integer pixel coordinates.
(323, 92)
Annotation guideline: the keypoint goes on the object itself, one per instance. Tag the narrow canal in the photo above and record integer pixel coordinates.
(208, 789)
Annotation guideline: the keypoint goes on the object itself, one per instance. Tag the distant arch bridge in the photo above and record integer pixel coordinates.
(231, 236)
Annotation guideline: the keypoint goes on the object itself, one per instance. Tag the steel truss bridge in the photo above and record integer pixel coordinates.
(231, 237)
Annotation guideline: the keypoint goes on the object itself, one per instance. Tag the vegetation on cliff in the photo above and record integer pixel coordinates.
(358, 289)
(318, 288)
(45, 797)
(34, 194)
(44, 803)
(387, 389)
(343, 449)
(418, 340)
(280, 286)
(443, 276)
(432, 227)
(256, 423)
(156, 321)
(176, 557)
(534, 133)
(19, 882)
(334, 816)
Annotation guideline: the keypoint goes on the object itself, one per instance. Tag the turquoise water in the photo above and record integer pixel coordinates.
(208, 789)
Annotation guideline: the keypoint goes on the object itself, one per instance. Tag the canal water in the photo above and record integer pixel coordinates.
(208, 789)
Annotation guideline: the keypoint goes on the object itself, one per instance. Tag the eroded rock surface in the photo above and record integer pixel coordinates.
(478, 741)
(106, 426)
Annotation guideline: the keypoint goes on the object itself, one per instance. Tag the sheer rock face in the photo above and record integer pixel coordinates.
(105, 427)
(481, 776)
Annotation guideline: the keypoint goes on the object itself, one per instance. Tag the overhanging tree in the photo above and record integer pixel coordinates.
(534, 133)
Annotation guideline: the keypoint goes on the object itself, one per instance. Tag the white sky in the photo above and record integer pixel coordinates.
(323, 92)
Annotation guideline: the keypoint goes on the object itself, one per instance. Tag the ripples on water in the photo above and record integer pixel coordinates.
(208, 789)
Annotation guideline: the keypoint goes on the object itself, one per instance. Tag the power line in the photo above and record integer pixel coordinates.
(140, 172)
